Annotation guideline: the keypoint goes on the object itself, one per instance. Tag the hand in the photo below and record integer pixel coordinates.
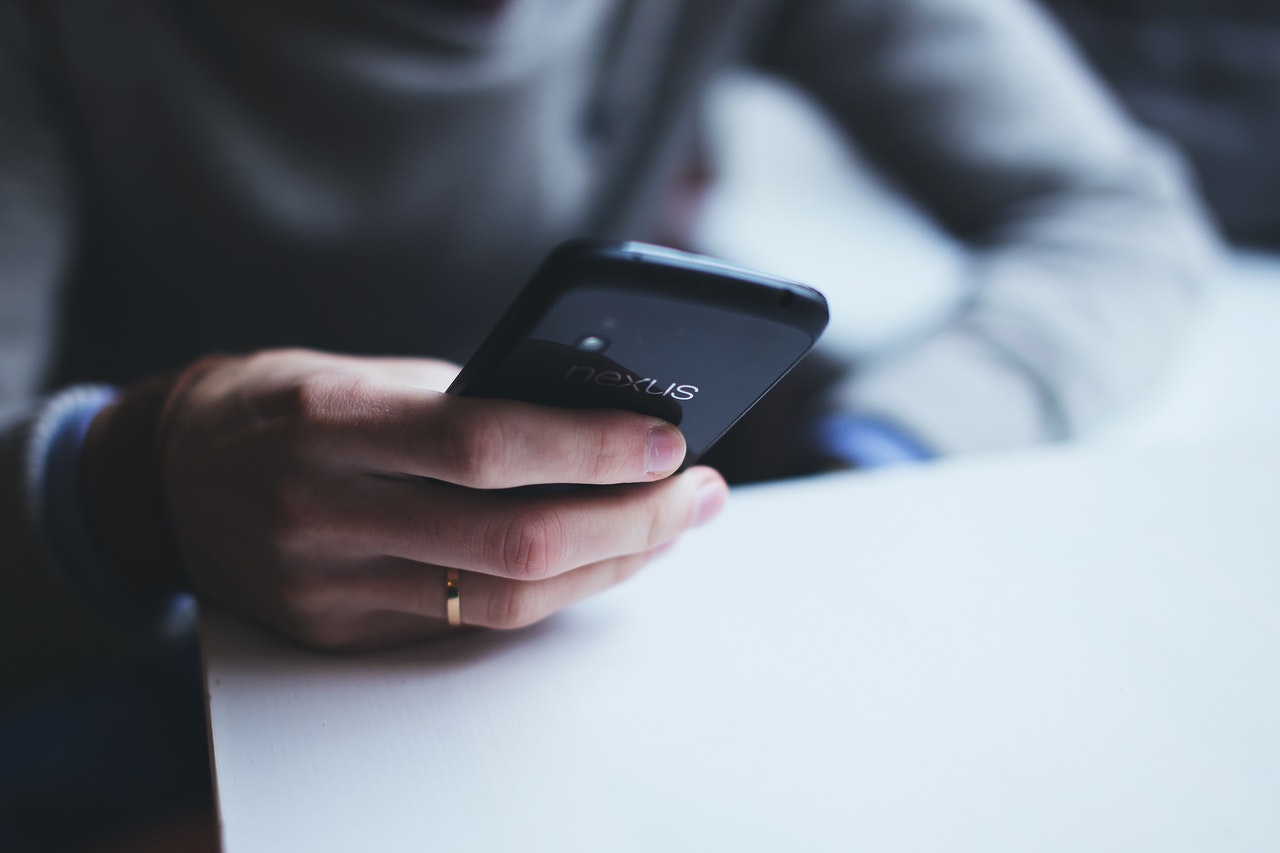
(324, 496)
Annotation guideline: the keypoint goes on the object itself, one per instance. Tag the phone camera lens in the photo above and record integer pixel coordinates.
(592, 343)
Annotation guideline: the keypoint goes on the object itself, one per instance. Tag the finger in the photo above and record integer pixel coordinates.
(365, 604)
(418, 591)
(427, 373)
(374, 423)
(389, 601)
(520, 536)
(492, 602)
(372, 629)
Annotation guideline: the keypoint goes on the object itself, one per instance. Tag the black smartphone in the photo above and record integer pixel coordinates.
(627, 325)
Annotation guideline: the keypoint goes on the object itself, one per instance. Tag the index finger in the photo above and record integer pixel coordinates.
(496, 444)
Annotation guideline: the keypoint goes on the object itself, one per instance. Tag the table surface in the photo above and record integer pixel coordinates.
(1073, 649)
(1052, 650)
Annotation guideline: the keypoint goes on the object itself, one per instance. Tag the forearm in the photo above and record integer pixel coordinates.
(1087, 251)
(1079, 304)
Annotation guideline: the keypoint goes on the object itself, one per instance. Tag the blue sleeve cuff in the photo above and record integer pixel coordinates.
(56, 465)
(57, 459)
(862, 441)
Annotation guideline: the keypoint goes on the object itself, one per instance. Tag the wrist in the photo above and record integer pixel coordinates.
(123, 475)
(124, 495)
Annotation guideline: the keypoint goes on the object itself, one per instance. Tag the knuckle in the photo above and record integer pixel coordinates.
(308, 405)
(609, 455)
(324, 398)
(309, 397)
(473, 448)
(533, 546)
(514, 606)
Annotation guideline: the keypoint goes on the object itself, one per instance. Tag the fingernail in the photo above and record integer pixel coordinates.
(664, 450)
(709, 501)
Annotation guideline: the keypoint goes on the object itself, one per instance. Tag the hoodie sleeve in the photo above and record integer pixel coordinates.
(51, 626)
(1087, 251)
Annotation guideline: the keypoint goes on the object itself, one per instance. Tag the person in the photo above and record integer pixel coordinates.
(265, 233)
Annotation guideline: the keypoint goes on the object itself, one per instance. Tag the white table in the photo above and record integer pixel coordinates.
(1059, 650)
(1056, 650)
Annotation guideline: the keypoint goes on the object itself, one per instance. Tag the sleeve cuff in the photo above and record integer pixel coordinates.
(55, 459)
(57, 496)
(865, 442)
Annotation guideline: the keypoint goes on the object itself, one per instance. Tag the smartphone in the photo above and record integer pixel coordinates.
(625, 325)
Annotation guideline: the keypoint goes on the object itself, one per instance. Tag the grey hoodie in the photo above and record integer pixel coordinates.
(184, 176)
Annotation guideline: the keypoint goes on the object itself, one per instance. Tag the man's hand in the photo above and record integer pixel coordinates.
(324, 496)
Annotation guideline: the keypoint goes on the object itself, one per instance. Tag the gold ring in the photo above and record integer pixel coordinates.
(452, 603)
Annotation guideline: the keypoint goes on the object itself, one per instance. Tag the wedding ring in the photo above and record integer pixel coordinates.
(452, 604)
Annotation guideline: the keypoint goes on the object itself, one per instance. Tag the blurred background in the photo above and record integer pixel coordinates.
(1205, 74)
(790, 196)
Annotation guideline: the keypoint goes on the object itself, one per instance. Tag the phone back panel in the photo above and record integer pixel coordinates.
(696, 347)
